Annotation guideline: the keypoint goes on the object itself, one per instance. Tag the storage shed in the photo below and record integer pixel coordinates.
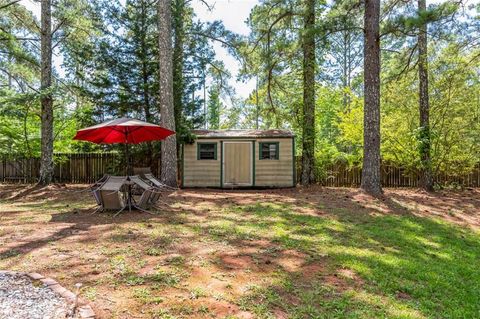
(239, 158)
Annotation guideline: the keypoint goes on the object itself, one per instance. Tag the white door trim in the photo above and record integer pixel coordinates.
(251, 163)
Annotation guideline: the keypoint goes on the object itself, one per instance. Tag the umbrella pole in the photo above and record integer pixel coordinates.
(127, 154)
(127, 157)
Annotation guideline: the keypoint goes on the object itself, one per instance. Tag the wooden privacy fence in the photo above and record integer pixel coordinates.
(70, 167)
(341, 175)
(89, 167)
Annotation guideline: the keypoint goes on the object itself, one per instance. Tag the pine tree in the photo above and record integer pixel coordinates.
(214, 107)
(178, 16)
(167, 113)
(46, 161)
(426, 179)
(308, 125)
(371, 179)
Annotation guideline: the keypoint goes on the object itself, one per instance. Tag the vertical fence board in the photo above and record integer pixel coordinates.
(69, 167)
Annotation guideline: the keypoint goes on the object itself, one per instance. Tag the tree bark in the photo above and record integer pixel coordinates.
(167, 114)
(178, 59)
(308, 127)
(46, 160)
(426, 180)
(371, 179)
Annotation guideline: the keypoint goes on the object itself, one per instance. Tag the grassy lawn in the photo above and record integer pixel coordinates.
(295, 253)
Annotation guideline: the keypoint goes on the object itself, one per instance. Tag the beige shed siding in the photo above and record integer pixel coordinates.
(274, 172)
(268, 173)
(204, 173)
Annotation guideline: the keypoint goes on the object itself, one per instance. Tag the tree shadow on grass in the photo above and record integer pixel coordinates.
(28, 246)
(459, 208)
(423, 266)
(323, 254)
(69, 223)
(408, 265)
(17, 192)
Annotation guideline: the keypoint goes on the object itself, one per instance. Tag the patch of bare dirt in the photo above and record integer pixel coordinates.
(291, 260)
(233, 261)
(312, 270)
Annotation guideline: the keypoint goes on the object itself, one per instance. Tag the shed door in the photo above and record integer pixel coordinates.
(237, 163)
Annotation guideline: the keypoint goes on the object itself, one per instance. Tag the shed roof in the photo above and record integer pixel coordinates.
(242, 133)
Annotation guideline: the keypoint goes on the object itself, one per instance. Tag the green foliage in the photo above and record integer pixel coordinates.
(273, 58)
(108, 51)
(19, 132)
(19, 81)
(214, 108)
(454, 115)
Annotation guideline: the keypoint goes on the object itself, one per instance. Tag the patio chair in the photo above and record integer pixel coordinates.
(154, 198)
(110, 193)
(155, 182)
(142, 171)
(98, 200)
(96, 194)
(144, 201)
(150, 194)
(139, 182)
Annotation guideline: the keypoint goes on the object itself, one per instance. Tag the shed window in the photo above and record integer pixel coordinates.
(207, 151)
(269, 151)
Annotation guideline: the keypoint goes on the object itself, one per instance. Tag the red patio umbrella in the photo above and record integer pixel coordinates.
(123, 130)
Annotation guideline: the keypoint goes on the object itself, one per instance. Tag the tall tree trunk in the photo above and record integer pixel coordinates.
(46, 161)
(178, 59)
(167, 120)
(308, 128)
(371, 181)
(426, 180)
